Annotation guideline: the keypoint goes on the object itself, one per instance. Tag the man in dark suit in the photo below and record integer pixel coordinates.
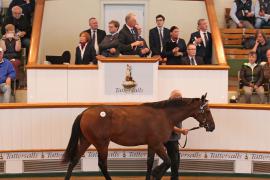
(109, 45)
(203, 40)
(129, 44)
(158, 36)
(175, 48)
(96, 35)
(191, 58)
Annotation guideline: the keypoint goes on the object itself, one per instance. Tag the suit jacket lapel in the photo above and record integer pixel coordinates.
(86, 50)
(128, 31)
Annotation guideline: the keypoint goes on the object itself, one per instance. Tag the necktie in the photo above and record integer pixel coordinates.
(95, 43)
(160, 39)
(205, 38)
(94, 38)
(133, 34)
(192, 61)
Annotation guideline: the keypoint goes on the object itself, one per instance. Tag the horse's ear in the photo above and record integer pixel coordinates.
(203, 98)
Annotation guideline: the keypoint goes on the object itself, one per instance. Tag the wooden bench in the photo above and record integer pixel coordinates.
(232, 38)
(236, 54)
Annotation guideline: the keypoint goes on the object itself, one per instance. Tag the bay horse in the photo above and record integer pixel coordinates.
(145, 124)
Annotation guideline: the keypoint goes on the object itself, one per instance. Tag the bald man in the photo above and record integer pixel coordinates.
(129, 42)
(172, 145)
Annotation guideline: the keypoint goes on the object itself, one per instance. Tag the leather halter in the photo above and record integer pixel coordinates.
(202, 124)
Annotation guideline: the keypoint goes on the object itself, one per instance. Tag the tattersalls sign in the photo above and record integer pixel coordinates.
(129, 79)
(134, 156)
(129, 84)
(202, 155)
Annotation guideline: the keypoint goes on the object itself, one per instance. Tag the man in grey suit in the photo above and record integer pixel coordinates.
(109, 45)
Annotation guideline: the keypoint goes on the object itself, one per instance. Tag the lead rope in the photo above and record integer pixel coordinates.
(194, 128)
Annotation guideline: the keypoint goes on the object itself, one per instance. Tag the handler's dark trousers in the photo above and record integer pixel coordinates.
(173, 152)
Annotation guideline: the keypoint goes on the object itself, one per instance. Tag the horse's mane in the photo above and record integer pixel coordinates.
(176, 102)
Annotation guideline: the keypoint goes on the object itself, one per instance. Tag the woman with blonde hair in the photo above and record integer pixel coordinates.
(11, 45)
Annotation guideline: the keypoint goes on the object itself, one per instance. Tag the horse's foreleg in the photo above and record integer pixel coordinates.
(82, 147)
(150, 161)
(102, 160)
(160, 170)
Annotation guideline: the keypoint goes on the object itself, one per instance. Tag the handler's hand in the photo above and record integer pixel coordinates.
(184, 131)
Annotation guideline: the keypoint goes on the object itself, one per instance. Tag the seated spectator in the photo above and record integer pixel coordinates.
(85, 51)
(266, 68)
(203, 41)
(28, 7)
(242, 14)
(11, 45)
(251, 75)
(262, 13)
(96, 35)
(143, 50)
(261, 46)
(7, 73)
(109, 45)
(22, 26)
(128, 37)
(175, 48)
(191, 58)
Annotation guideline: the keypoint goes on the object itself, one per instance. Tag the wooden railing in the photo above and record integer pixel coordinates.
(85, 105)
(188, 67)
(136, 149)
(36, 32)
(216, 35)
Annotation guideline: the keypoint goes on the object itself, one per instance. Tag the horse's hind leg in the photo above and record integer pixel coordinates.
(82, 147)
(102, 160)
(150, 162)
(160, 170)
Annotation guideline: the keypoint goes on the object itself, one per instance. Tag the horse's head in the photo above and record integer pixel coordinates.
(203, 115)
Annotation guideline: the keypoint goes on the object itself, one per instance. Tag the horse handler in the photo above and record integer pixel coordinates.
(172, 145)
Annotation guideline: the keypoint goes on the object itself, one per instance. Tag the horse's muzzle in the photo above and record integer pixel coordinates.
(209, 127)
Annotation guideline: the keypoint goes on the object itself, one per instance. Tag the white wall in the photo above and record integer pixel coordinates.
(48, 85)
(64, 20)
(49, 128)
(220, 10)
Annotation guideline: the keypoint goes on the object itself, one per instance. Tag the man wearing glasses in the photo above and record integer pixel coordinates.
(191, 58)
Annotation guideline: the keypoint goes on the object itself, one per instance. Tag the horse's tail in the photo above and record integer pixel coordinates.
(72, 147)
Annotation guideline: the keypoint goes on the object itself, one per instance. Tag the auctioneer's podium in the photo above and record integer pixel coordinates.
(128, 78)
